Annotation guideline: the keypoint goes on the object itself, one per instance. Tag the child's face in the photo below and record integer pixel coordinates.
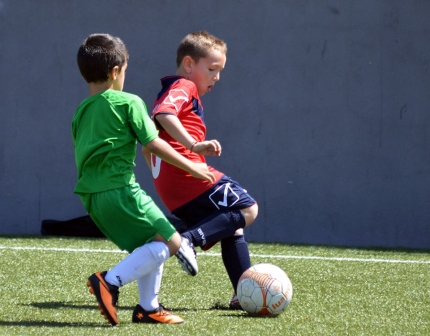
(118, 81)
(206, 72)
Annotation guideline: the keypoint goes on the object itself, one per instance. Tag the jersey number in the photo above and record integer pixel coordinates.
(155, 166)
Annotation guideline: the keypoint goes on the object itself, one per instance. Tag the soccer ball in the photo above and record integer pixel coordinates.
(264, 289)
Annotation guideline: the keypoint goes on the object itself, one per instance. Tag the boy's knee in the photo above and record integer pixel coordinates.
(250, 214)
(238, 232)
(173, 244)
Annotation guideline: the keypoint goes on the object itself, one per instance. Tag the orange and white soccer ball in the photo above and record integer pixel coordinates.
(264, 289)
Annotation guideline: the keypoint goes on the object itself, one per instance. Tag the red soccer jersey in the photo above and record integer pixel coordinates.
(175, 186)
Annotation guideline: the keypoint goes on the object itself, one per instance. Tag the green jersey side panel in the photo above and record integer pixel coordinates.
(105, 130)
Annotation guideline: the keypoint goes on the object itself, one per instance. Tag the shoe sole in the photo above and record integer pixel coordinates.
(184, 262)
(95, 283)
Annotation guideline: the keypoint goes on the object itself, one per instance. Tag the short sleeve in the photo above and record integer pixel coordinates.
(142, 125)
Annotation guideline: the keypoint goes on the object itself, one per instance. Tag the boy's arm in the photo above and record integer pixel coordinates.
(177, 131)
(147, 155)
(165, 152)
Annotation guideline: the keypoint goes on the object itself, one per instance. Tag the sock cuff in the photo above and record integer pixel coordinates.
(237, 218)
(235, 239)
(159, 251)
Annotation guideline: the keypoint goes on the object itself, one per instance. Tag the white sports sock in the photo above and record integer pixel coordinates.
(139, 263)
(149, 286)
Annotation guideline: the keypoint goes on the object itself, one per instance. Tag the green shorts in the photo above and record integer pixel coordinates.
(127, 216)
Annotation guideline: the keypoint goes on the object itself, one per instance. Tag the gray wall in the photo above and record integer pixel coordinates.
(322, 110)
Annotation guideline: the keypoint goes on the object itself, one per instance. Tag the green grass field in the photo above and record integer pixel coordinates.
(337, 291)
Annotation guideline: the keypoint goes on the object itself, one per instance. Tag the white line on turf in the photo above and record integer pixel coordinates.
(208, 254)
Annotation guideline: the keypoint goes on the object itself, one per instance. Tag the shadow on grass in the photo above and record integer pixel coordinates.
(53, 324)
(71, 305)
(220, 306)
(68, 305)
(246, 315)
(238, 313)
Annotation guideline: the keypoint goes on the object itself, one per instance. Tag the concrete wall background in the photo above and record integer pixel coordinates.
(322, 110)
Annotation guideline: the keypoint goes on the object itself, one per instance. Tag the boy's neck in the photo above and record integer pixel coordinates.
(96, 88)
(181, 72)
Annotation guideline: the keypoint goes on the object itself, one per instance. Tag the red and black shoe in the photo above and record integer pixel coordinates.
(234, 303)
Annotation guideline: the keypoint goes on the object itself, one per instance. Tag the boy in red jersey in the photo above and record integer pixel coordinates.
(105, 131)
(212, 212)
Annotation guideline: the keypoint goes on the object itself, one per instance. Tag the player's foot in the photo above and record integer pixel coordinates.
(187, 257)
(106, 295)
(234, 303)
(159, 315)
(208, 246)
(164, 307)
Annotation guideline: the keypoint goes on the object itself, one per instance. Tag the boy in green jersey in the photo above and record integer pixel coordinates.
(105, 130)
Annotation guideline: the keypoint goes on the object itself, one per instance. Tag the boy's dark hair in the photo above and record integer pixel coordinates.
(99, 54)
(197, 45)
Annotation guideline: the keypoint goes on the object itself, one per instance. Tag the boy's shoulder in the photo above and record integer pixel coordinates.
(122, 98)
(186, 82)
(120, 94)
(178, 82)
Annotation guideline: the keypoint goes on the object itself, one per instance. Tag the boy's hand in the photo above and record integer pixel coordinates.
(165, 152)
(209, 147)
(201, 171)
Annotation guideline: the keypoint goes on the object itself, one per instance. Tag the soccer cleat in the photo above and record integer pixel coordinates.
(234, 303)
(106, 295)
(165, 308)
(187, 257)
(159, 315)
(208, 246)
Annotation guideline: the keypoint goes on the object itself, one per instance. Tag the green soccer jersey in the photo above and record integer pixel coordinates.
(105, 131)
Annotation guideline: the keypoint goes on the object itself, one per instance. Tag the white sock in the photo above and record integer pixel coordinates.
(149, 286)
(139, 263)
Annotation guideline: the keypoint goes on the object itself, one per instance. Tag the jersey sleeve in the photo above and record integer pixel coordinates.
(142, 125)
(173, 100)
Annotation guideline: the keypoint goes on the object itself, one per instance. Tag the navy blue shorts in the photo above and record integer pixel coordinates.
(225, 194)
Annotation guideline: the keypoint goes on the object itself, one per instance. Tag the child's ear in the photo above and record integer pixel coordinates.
(188, 64)
(114, 72)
